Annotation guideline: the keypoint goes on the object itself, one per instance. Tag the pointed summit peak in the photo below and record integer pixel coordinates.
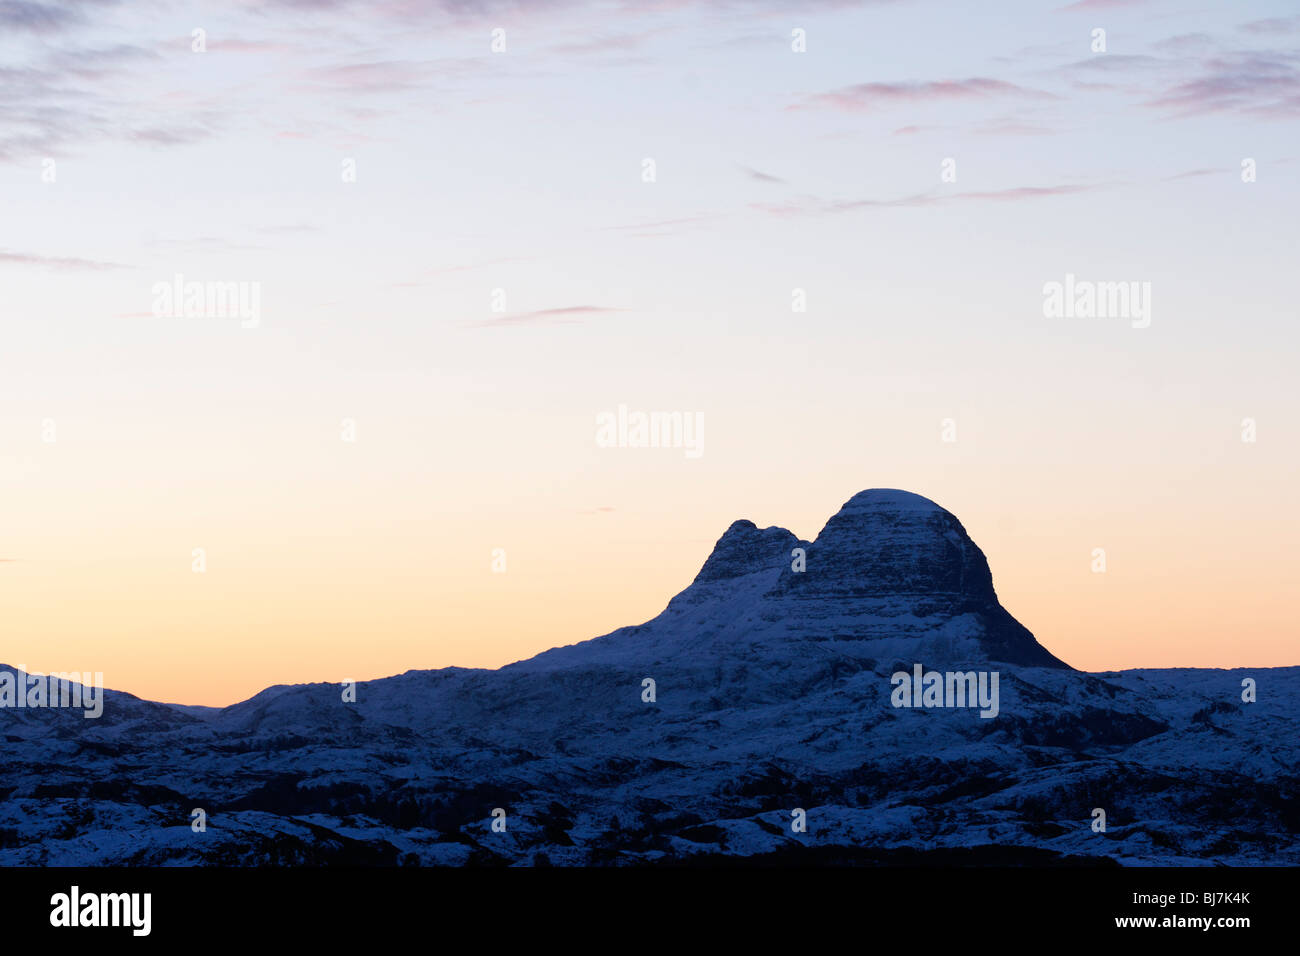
(745, 548)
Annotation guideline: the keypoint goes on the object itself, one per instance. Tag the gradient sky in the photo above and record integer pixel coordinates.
(522, 171)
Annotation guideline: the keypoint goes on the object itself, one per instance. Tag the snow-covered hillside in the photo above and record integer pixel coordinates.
(772, 693)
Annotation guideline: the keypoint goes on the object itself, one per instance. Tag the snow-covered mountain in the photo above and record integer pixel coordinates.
(772, 692)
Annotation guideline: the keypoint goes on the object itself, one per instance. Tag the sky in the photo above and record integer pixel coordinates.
(466, 230)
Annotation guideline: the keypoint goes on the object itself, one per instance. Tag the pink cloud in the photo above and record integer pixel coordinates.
(57, 262)
(1086, 5)
(869, 96)
(1257, 83)
(563, 316)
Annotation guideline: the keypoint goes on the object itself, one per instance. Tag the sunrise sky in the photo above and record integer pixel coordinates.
(517, 180)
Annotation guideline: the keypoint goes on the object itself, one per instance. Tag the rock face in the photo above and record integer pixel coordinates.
(891, 576)
(771, 690)
(744, 549)
(893, 551)
(905, 567)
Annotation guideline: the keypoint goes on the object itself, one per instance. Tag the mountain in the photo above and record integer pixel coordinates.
(769, 686)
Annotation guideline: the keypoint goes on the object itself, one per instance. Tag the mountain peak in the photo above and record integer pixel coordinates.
(744, 548)
(888, 499)
(891, 568)
(889, 542)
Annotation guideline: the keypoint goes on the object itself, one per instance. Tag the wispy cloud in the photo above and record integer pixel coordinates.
(1010, 126)
(202, 244)
(381, 76)
(762, 177)
(239, 45)
(820, 207)
(94, 63)
(1259, 83)
(1084, 6)
(56, 262)
(660, 228)
(29, 17)
(1272, 26)
(864, 97)
(1184, 43)
(1118, 62)
(1195, 173)
(164, 136)
(65, 97)
(1023, 192)
(567, 315)
(608, 43)
(451, 270)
